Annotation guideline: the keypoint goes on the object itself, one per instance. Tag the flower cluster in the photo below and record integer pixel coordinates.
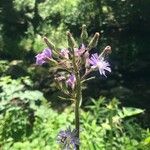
(72, 65)
(96, 62)
(67, 139)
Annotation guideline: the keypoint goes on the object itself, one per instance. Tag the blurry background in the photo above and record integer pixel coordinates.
(123, 24)
(31, 114)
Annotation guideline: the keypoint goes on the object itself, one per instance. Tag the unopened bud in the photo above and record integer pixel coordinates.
(106, 51)
(49, 43)
(94, 41)
(71, 41)
(84, 34)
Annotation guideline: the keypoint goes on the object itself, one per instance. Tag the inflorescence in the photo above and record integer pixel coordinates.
(73, 65)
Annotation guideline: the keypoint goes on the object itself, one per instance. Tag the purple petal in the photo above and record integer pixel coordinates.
(40, 59)
(47, 52)
(94, 59)
(71, 81)
(108, 69)
(99, 62)
(64, 53)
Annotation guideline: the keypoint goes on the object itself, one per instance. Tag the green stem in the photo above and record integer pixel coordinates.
(77, 123)
(78, 99)
(78, 92)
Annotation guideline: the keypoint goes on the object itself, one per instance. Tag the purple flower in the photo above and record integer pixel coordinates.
(80, 51)
(68, 139)
(98, 62)
(42, 57)
(71, 81)
(64, 53)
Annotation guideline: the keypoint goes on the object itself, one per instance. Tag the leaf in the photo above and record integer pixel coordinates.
(130, 111)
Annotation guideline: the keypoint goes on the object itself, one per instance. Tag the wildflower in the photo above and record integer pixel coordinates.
(68, 139)
(98, 62)
(42, 57)
(64, 53)
(71, 81)
(80, 51)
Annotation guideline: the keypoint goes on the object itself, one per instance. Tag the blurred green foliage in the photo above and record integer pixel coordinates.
(29, 122)
(24, 23)
(121, 23)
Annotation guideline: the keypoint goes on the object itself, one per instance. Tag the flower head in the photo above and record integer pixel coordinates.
(42, 57)
(68, 139)
(71, 81)
(99, 63)
(64, 53)
(80, 51)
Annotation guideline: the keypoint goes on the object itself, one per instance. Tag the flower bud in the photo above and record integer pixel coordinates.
(49, 43)
(51, 46)
(71, 41)
(84, 34)
(106, 51)
(94, 41)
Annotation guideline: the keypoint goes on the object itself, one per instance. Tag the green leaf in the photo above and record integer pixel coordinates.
(130, 111)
